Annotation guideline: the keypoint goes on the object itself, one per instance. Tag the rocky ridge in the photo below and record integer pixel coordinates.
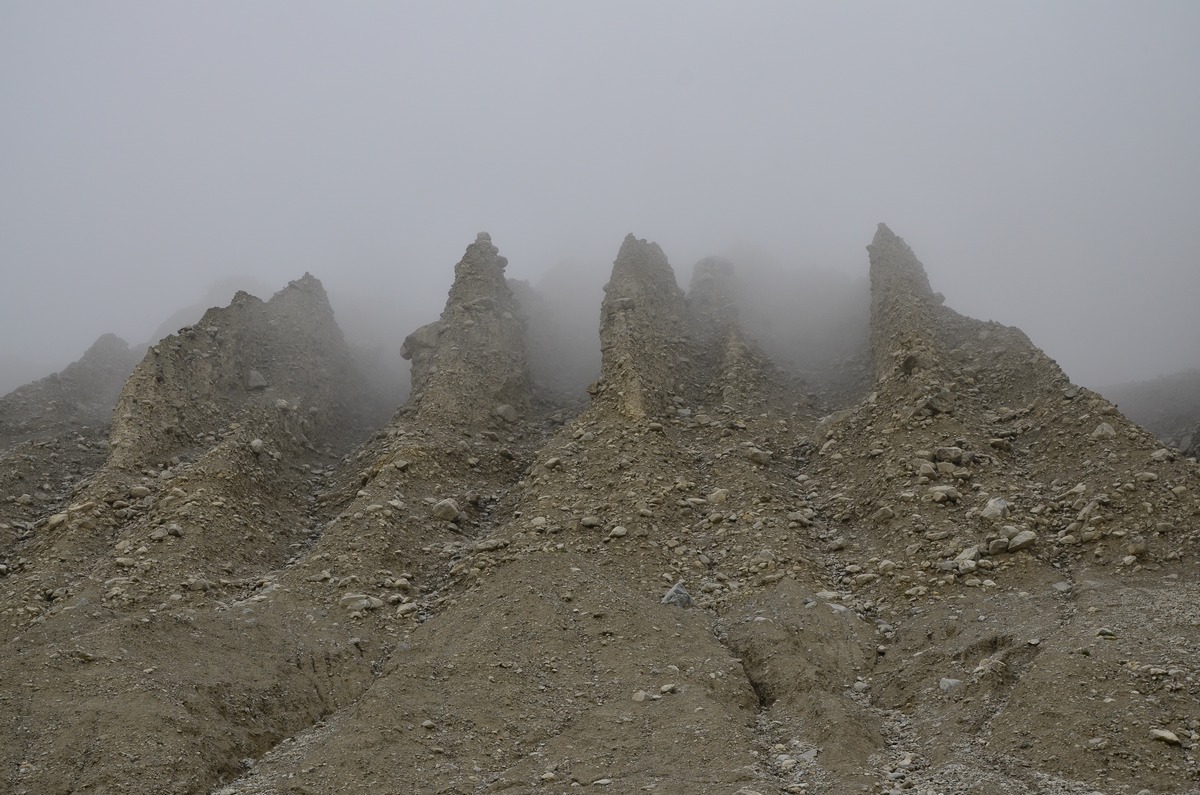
(975, 579)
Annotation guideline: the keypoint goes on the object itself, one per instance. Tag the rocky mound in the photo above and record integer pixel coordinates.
(244, 357)
(470, 364)
(53, 433)
(82, 394)
(977, 579)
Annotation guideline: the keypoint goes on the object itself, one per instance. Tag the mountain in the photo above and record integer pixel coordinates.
(963, 574)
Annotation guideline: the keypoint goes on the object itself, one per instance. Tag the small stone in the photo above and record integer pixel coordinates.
(506, 413)
(1104, 431)
(139, 492)
(760, 457)
(678, 596)
(1165, 736)
(1022, 540)
(940, 494)
(640, 696)
(590, 521)
(254, 381)
(360, 601)
(996, 508)
(257, 446)
(970, 553)
(947, 684)
(719, 496)
(446, 510)
(618, 532)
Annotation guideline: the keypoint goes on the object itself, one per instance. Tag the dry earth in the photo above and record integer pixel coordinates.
(966, 575)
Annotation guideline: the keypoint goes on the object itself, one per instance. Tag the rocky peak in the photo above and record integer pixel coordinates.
(643, 336)
(249, 354)
(470, 365)
(83, 393)
(902, 308)
(894, 267)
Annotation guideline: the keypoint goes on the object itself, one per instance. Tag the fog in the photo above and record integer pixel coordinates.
(1040, 158)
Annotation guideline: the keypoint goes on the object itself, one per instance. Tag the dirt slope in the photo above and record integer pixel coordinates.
(979, 578)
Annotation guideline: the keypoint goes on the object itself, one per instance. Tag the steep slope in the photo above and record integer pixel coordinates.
(53, 434)
(977, 579)
(207, 491)
(1024, 541)
(82, 394)
(559, 664)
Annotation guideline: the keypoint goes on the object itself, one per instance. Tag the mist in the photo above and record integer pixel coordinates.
(1040, 159)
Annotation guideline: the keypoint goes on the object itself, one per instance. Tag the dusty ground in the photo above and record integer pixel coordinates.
(966, 575)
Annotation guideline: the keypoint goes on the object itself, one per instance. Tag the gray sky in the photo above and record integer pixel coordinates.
(1041, 158)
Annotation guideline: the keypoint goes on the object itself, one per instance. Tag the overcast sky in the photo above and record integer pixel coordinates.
(1041, 158)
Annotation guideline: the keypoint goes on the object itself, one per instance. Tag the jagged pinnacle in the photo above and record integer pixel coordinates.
(894, 266)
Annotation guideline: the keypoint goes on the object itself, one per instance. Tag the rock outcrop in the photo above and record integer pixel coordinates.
(244, 357)
(469, 366)
(643, 331)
